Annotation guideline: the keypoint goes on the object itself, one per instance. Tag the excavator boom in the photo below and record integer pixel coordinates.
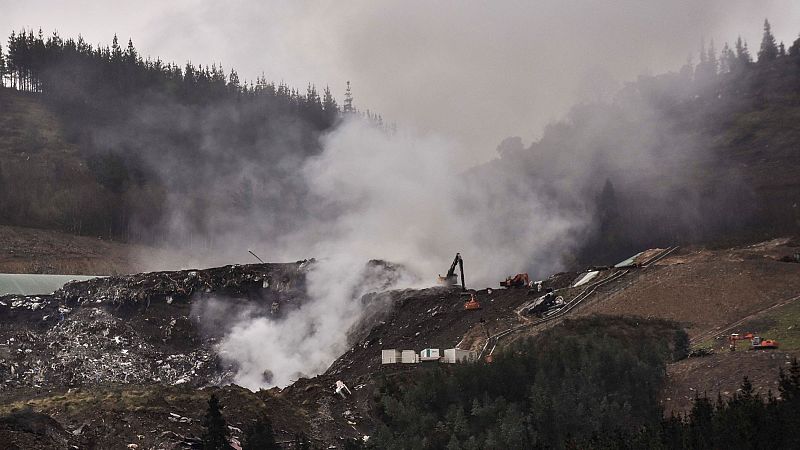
(450, 278)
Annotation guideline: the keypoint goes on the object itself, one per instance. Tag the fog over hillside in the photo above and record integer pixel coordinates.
(474, 71)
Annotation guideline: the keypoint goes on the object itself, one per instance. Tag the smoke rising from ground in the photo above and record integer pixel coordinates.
(475, 74)
(400, 198)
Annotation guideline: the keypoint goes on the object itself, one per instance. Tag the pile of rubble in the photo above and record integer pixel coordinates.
(134, 329)
(252, 280)
(93, 346)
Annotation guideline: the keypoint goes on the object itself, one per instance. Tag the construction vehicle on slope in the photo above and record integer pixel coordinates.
(451, 279)
(756, 342)
(520, 280)
(471, 302)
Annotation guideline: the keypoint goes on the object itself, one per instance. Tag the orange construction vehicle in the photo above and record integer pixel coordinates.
(756, 342)
(519, 280)
(471, 302)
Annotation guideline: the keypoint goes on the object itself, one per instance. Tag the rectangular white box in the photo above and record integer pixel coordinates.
(429, 354)
(454, 355)
(409, 357)
(390, 356)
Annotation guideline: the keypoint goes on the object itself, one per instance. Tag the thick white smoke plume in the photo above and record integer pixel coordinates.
(398, 198)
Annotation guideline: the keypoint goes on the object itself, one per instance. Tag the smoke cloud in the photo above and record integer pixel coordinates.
(398, 197)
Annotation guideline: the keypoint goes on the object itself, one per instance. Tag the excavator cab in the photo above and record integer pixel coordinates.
(451, 279)
(760, 343)
(520, 280)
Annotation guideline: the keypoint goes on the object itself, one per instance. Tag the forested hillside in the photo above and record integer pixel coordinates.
(99, 140)
(702, 155)
(592, 383)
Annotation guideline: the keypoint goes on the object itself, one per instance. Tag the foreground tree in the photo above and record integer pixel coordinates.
(216, 435)
(260, 436)
(769, 48)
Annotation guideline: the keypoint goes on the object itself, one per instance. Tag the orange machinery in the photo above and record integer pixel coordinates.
(756, 342)
(519, 280)
(471, 302)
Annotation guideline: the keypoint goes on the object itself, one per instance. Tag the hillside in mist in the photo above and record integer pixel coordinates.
(108, 143)
(707, 154)
(145, 136)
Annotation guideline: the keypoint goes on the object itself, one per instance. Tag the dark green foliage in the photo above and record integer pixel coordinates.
(586, 378)
(589, 385)
(260, 436)
(745, 421)
(680, 345)
(794, 50)
(769, 48)
(187, 131)
(215, 436)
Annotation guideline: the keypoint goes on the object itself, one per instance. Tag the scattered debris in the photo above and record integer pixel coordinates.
(341, 388)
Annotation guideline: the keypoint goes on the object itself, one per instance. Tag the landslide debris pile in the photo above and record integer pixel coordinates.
(142, 328)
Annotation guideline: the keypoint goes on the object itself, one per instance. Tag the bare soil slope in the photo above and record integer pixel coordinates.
(30, 250)
(707, 289)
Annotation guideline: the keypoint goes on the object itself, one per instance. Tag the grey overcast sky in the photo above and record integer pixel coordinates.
(472, 71)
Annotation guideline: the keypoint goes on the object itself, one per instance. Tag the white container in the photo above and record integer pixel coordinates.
(390, 356)
(429, 354)
(455, 355)
(409, 357)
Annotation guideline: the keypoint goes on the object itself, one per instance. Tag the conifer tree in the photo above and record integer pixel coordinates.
(348, 100)
(713, 64)
(769, 49)
(260, 436)
(794, 50)
(2, 68)
(233, 81)
(215, 436)
(727, 59)
(742, 54)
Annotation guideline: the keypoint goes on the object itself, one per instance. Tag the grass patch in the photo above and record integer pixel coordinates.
(782, 325)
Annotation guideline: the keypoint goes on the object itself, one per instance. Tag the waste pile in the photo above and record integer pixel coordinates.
(140, 290)
(133, 329)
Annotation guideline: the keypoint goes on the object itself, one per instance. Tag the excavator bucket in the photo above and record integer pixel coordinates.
(448, 281)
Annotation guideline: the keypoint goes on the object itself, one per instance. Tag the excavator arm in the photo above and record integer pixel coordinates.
(457, 262)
